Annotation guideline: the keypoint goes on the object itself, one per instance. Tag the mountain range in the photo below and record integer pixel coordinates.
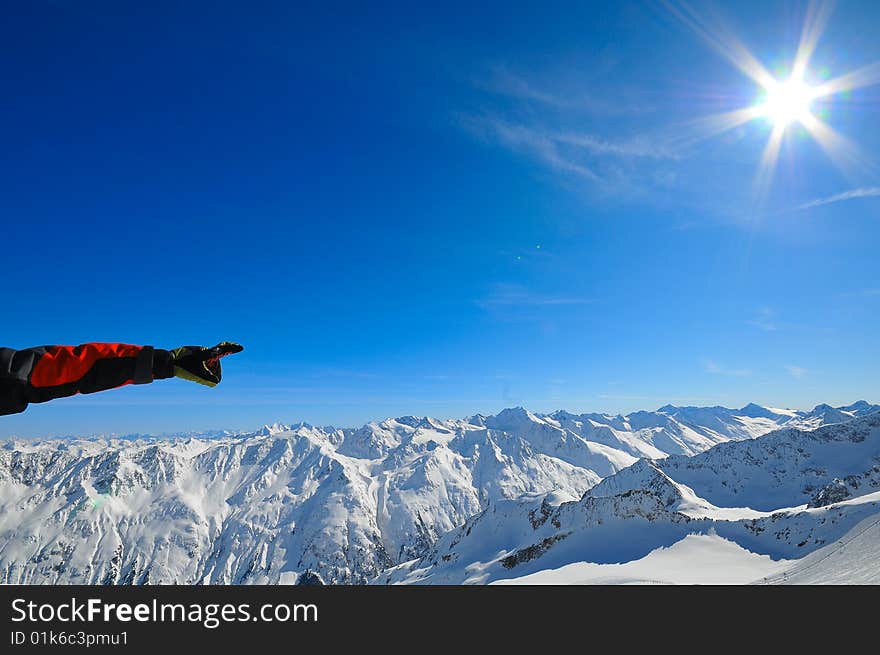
(752, 494)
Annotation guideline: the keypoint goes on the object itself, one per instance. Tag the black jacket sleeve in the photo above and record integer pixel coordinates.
(35, 375)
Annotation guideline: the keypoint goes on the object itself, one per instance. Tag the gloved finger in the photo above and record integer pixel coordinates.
(222, 349)
(229, 348)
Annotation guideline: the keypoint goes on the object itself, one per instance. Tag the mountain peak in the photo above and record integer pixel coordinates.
(275, 428)
(754, 410)
(517, 412)
(411, 421)
(513, 419)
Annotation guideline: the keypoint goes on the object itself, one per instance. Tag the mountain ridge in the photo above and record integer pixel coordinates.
(338, 504)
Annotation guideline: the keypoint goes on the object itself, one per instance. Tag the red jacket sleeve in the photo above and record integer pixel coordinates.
(35, 375)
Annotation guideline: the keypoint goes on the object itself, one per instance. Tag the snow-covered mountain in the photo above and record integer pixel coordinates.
(304, 504)
(690, 430)
(749, 509)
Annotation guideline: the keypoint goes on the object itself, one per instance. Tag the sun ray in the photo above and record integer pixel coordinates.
(818, 12)
(767, 167)
(845, 154)
(712, 125)
(865, 76)
(722, 40)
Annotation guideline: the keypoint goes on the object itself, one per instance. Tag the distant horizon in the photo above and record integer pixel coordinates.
(250, 430)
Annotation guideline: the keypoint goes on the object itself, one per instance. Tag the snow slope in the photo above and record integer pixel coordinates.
(852, 559)
(696, 559)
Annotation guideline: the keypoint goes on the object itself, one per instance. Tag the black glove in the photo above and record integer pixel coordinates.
(201, 364)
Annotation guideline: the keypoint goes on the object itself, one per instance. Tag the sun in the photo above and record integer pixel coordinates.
(786, 102)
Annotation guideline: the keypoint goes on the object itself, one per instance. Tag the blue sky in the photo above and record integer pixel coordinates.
(438, 210)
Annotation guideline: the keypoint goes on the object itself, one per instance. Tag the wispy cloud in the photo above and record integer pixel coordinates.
(765, 320)
(522, 138)
(501, 80)
(768, 320)
(589, 156)
(861, 192)
(711, 366)
(515, 295)
(869, 292)
(796, 371)
(638, 146)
